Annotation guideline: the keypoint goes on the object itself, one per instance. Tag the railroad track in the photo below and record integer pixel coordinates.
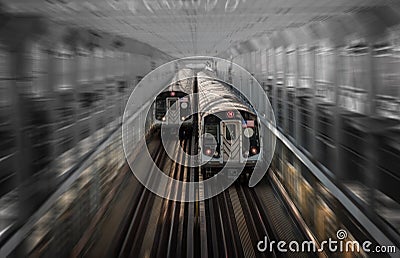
(132, 241)
(228, 225)
(235, 224)
(158, 223)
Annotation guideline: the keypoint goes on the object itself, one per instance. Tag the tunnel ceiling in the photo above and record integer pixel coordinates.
(190, 27)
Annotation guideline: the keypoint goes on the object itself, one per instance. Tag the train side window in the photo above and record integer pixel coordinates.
(84, 65)
(98, 64)
(271, 63)
(279, 63)
(305, 68)
(291, 69)
(127, 63)
(39, 69)
(324, 77)
(64, 66)
(5, 75)
(110, 63)
(263, 57)
(120, 71)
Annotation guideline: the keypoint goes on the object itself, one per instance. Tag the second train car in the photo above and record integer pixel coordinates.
(173, 106)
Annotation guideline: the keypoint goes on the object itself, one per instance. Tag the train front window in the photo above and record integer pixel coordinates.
(160, 108)
(171, 104)
(212, 131)
(230, 132)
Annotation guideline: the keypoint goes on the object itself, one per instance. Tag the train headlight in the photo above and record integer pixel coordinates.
(183, 118)
(248, 132)
(163, 118)
(254, 150)
(184, 105)
(208, 152)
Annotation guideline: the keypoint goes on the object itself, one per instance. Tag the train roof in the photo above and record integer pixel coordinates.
(216, 96)
(183, 81)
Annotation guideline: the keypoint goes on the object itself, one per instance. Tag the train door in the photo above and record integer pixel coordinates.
(173, 113)
(230, 139)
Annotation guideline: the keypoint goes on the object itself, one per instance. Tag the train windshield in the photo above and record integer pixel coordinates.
(230, 132)
(171, 104)
(212, 130)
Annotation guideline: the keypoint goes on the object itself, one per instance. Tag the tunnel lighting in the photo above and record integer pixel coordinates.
(254, 150)
(172, 93)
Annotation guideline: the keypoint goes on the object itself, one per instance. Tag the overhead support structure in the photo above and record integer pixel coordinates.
(370, 25)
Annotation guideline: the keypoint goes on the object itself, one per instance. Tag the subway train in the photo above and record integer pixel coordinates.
(176, 100)
(229, 127)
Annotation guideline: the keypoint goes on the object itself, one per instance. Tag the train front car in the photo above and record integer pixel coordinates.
(229, 127)
(173, 106)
